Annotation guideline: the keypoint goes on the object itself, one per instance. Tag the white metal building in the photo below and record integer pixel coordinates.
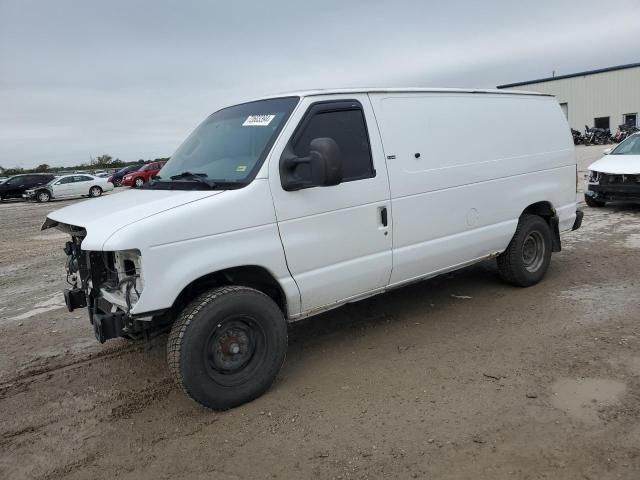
(603, 98)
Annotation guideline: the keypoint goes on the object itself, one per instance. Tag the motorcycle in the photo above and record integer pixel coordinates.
(596, 136)
(577, 136)
(624, 131)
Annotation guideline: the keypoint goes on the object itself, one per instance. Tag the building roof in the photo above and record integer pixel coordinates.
(571, 75)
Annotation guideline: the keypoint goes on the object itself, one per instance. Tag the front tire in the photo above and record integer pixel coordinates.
(227, 346)
(139, 182)
(526, 259)
(43, 196)
(117, 182)
(592, 202)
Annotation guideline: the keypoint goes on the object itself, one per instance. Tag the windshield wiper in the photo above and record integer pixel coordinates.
(196, 177)
(188, 175)
(193, 179)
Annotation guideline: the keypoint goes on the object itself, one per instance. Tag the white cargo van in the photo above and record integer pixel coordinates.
(285, 207)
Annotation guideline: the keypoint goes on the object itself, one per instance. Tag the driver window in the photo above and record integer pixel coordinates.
(348, 129)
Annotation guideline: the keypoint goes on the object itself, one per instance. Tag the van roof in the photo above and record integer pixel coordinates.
(332, 91)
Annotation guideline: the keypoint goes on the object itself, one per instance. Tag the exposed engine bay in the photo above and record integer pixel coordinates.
(109, 284)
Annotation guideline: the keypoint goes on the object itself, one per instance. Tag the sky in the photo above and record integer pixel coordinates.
(132, 78)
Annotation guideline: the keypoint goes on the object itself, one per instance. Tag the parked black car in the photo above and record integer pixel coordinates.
(117, 177)
(16, 185)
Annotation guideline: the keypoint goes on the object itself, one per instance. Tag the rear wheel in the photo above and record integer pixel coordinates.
(95, 191)
(592, 202)
(526, 259)
(43, 196)
(139, 182)
(227, 346)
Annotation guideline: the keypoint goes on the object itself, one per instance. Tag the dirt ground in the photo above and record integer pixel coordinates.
(460, 376)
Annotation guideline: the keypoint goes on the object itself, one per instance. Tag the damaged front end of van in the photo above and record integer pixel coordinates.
(109, 284)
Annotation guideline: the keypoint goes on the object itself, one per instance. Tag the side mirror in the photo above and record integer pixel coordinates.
(322, 168)
(607, 151)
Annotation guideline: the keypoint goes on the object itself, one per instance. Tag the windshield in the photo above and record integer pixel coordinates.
(229, 146)
(631, 146)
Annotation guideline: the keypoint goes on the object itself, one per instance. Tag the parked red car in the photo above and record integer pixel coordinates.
(142, 176)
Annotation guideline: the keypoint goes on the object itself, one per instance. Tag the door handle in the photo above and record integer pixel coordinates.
(383, 216)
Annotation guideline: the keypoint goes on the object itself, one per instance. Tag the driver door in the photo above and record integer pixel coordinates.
(337, 239)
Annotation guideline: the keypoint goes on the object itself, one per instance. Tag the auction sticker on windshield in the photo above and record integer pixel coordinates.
(258, 120)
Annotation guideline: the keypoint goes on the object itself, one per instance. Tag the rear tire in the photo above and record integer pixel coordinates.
(526, 259)
(95, 192)
(227, 346)
(592, 202)
(139, 182)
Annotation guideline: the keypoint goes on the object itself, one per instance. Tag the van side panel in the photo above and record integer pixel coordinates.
(463, 167)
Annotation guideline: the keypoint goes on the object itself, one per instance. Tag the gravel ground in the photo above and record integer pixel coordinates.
(422, 382)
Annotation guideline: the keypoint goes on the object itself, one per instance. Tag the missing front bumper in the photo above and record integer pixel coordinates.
(75, 298)
(108, 325)
(612, 193)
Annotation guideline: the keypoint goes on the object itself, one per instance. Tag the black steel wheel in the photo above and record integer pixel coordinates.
(227, 346)
(526, 259)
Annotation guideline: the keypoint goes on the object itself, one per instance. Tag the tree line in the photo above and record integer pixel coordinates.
(101, 162)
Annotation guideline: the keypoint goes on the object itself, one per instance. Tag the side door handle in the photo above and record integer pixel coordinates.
(383, 217)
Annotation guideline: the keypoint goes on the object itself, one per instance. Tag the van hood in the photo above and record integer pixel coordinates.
(617, 164)
(101, 217)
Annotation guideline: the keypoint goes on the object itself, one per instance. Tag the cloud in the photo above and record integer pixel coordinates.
(133, 78)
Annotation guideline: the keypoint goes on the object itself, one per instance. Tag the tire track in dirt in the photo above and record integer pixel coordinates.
(68, 468)
(7, 437)
(115, 406)
(135, 401)
(122, 405)
(22, 380)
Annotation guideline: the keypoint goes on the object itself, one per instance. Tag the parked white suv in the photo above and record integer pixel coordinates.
(282, 208)
(64, 186)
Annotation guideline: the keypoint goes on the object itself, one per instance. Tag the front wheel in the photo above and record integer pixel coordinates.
(139, 182)
(227, 346)
(117, 182)
(43, 196)
(526, 259)
(95, 191)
